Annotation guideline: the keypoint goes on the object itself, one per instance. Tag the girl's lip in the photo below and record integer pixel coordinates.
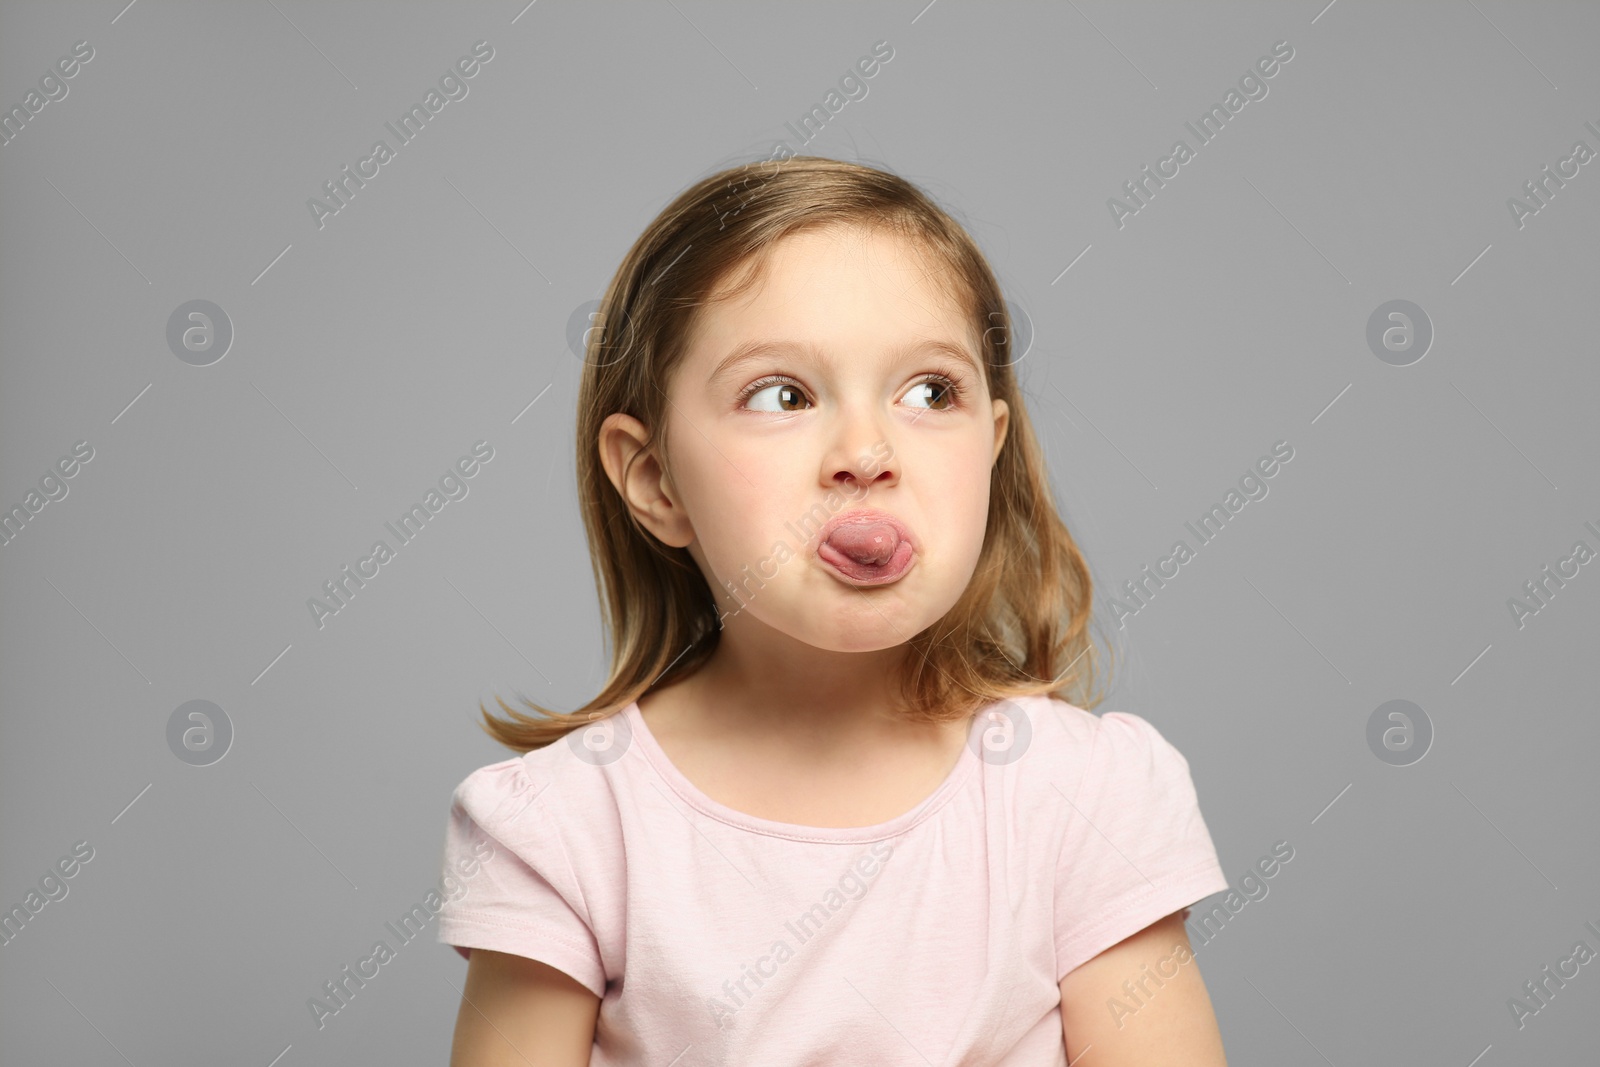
(856, 574)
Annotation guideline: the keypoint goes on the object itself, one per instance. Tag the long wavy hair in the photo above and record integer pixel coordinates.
(1022, 626)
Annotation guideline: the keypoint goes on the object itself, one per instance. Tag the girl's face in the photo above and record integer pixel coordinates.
(867, 393)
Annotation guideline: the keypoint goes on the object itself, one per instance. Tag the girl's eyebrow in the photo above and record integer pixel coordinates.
(751, 350)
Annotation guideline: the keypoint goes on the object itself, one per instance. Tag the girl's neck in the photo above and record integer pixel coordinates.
(785, 708)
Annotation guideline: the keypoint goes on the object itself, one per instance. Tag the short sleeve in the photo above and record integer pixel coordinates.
(1136, 847)
(507, 882)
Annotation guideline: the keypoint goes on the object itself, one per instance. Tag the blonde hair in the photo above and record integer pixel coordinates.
(1021, 626)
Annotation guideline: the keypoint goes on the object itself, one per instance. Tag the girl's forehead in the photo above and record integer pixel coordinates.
(840, 265)
(867, 246)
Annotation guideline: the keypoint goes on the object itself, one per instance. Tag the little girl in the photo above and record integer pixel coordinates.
(828, 809)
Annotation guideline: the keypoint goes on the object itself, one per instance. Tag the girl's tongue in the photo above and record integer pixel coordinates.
(871, 544)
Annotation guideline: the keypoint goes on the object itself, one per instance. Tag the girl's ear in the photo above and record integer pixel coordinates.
(641, 481)
(1002, 419)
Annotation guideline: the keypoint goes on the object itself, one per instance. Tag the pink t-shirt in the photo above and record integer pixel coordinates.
(940, 936)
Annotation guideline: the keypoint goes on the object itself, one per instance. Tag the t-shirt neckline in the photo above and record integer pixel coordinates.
(901, 823)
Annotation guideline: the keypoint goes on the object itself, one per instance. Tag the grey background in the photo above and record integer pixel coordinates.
(1230, 313)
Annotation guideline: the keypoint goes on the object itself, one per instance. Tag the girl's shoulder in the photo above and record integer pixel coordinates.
(1074, 750)
(576, 772)
(1065, 732)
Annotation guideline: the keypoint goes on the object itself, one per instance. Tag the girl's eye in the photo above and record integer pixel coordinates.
(948, 391)
(787, 391)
